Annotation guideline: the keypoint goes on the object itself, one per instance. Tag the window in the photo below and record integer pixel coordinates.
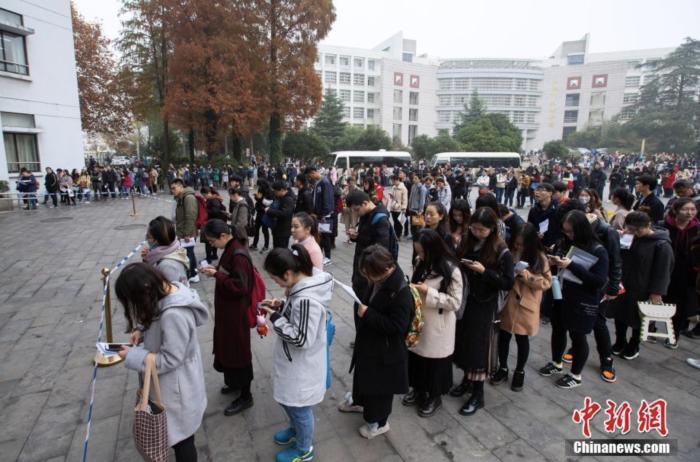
(572, 99)
(358, 96)
(443, 116)
(518, 117)
(13, 55)
(11, 18)
(345, 95)
(626, 113)
(370, 81)
(330, 60)
(413, 115)
(358, 113)
(332, 91)
(319, 74)
(598, 99)
(345, 60)
(370, 114)
(521, 84)
(346, 112)
(331, 77)
(534, 85)
(567, 131)
(633, 64)
(412, 132)
(445, 100)
(519, 101)
(461, 84)
(632, 81)
(498, 100)
(413, 97)
(370, 64)
(396, 131)
(17, 120)
(398, 113)
(398, 96)
(370, 97)
(484, 83)
(445, 84)
(358, 79)
(595, 117)
(345, 78)
(21, 151)
(530, 118)
(574, 59)
(459, 100)
(532, 101)
(630, 98)
(407, 57)
(359, 62)
(570, 117)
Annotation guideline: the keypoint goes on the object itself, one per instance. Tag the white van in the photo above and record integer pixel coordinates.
(478, 159)
(351, 159)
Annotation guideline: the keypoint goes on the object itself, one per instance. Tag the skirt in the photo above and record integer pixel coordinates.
(473, 337)
(430, 375)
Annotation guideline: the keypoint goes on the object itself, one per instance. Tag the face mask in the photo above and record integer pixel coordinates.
(584, 200)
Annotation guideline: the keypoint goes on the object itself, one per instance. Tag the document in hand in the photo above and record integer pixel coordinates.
(580, 257)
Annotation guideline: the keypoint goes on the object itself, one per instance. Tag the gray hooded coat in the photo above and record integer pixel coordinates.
(173, 338)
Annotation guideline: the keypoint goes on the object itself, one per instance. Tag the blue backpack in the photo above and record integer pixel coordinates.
(393, 241)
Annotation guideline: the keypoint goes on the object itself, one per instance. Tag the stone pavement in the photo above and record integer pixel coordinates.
(49, 311)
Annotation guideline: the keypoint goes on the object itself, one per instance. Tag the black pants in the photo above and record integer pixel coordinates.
(523, 343)
(54, 198)
(398, 227)
(265, 232)
(193, 262)
(211, 252)
(280, 241)
(185, 451)
(326, 244)
(621, 334)
(579, 343)
(522, 195)
(377, 408)
(602, 337)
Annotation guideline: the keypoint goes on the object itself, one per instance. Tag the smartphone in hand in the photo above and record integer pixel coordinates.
(116, 347)
(466, 261)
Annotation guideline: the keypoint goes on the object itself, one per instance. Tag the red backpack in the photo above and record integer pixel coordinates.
(257, 295)
(202, 216)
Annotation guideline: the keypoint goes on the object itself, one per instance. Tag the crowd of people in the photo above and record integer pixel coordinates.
(480, 275)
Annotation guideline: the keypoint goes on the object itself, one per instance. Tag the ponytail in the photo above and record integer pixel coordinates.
(307, 221)
(281, 260)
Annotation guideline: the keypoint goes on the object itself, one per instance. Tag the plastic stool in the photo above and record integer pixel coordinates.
(658, 313)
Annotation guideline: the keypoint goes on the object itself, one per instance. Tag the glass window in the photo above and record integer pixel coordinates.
(330, 60)
(412, 132)
(332, 91)
(370, 114)
(598, 99)
(532, 101)
(16, 120)
(345, 78)
(630, 98)
(358, 79)
(574, 59)
(567, 131)
(358, 96)
(398, 113)
(459, 100)
(570, 117)
(487, 83)
(445, 84)
(396, 131)
(13, 56)
(345, 60)
(530, 117)
(444, 116)
(9, 17)
(445, 100)
(345, 95)
(626, 113)
(21, 151)
(518, 117)
(358, 113)
(572, 99)
(407, 57)
(346, 112)
(413, 97)
(331, 77)
(534, 85)
(359, 62)
(461, 84)
(519, 100)
(632, 81)
(521, 84)
(370, 97)
(595, 117)
(370, 64)
(370, 81)
(398, 96)
(413, 115)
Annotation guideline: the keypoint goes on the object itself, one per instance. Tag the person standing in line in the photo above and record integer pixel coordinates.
(489, 268)
(215, 209)
(416, 202)
(521, 314)
(305, 199)
(459, 220)
(51, 185)
(305, 232)
(648, 203)
(163, 318)
(239, 212)
(543, 215)
(444, 193)
(186, 211)
(27, 185)
(623, 200)
(279, 214)
(263, 199)
(232, 298)
(164, 252)
(438, 280)
(398, 201)
(324, 209)
(299, 355)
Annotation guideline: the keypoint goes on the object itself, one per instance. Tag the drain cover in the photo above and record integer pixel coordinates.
(133, 226)
(56, 219)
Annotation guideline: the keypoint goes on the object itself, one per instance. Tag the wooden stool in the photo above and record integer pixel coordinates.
(659, 313)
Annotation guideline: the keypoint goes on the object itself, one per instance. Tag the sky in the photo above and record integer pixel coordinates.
(492, 28)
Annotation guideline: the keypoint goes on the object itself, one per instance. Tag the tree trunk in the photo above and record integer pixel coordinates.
(166, 141)
(190, 144)
(236, 147)
(275, 138)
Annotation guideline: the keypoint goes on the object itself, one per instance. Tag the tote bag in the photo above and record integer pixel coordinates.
(150, 422)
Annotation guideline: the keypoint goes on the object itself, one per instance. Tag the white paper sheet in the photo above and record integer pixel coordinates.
(348, 290)
(185, 244)
(626, 241)
(544, 226)
(102, 348)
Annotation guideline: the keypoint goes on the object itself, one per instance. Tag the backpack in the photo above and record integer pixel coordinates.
(250, 226)
(202, 211)
(393, 241)
(257, 295)
(416, 326)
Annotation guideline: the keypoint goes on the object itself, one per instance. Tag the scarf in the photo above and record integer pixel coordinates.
(158, 253)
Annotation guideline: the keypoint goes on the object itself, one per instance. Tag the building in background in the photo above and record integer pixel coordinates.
(39, 109)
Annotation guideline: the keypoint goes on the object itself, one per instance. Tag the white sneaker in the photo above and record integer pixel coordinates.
(694, 363)
(194, 279)
(327, 261)
(348, 406)
(370, 430)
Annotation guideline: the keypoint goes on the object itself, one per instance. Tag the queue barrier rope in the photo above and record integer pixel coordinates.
(105, 290)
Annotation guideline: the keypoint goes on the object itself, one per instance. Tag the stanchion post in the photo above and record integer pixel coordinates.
(101, 359)
(133, 204)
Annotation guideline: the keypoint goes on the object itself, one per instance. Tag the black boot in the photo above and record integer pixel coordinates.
(239, 405)
(461, 389)
(473, 404)
(518, 381)
(430, 406)
(500, 376)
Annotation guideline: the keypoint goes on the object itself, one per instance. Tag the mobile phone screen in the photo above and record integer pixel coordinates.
(117, 346)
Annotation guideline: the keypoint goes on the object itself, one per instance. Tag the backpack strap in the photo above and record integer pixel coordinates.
(378, 216)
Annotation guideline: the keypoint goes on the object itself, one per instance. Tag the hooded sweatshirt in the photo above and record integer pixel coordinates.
(173, 338)
(299, 369)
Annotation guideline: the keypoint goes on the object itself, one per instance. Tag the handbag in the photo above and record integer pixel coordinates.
(150, 422)
(417, 220)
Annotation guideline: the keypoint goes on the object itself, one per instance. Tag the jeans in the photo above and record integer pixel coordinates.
(508, 199)
(499, 194)
(301, 419)
(185, 450)
(193, 262)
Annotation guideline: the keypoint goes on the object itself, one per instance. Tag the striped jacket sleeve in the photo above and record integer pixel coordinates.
(301, 328)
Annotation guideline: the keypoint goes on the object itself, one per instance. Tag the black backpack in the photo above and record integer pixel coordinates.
(393, 241)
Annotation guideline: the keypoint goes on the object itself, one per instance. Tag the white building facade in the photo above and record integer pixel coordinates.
(39, 109)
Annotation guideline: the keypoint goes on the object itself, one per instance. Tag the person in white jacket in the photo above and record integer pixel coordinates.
(300, 354)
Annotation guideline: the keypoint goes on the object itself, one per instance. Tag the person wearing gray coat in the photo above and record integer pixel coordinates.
(163, 317)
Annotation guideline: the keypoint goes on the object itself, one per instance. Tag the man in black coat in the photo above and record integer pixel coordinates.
(305, 200)
(648, 203)
(543, 215)
(281, 211)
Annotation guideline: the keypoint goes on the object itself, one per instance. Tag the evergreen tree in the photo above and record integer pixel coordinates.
(329, 123)
(472, 112)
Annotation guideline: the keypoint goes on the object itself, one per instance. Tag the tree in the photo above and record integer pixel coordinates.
(475, 109)
(328, 123)
(288, 31)
(490, 133)
(359, 139)
(305, 146)
(103, 101)
(422, 147)
(588, 138)
(443, 142)
(556, 149)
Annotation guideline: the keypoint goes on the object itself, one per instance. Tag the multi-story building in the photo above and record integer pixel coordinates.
(39, 109)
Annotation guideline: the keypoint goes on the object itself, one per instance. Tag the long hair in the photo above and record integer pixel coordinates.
(139, 288)
(584, 237)
(438, 260)
(442, 227)
(533, 250)
(307, 221)
(493, 244)
(459, 205)
(162, 230)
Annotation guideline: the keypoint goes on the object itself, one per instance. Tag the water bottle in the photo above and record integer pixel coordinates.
(556, 288)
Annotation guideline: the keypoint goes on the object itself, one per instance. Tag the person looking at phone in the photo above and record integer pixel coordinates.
(163, 317)
(521, 315)
(164, 252)
(398, 201)
(299, 354)
(489, 267)
(578, 315)
(234, 285)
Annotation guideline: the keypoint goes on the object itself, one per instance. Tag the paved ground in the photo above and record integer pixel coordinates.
(49, 311)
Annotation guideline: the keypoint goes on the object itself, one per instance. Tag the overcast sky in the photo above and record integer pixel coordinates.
(492, 28)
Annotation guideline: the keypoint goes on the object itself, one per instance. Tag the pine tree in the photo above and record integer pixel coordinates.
(328, 123)
(472, 112)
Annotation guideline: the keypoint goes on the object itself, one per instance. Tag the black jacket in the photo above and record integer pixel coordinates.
(581, 301)
(380, 356)
(51, 183)
(653, 206)
(305, 201)
(283, 215)
(537, 215)
(216, 209)
(611, 241)
(368, 234)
